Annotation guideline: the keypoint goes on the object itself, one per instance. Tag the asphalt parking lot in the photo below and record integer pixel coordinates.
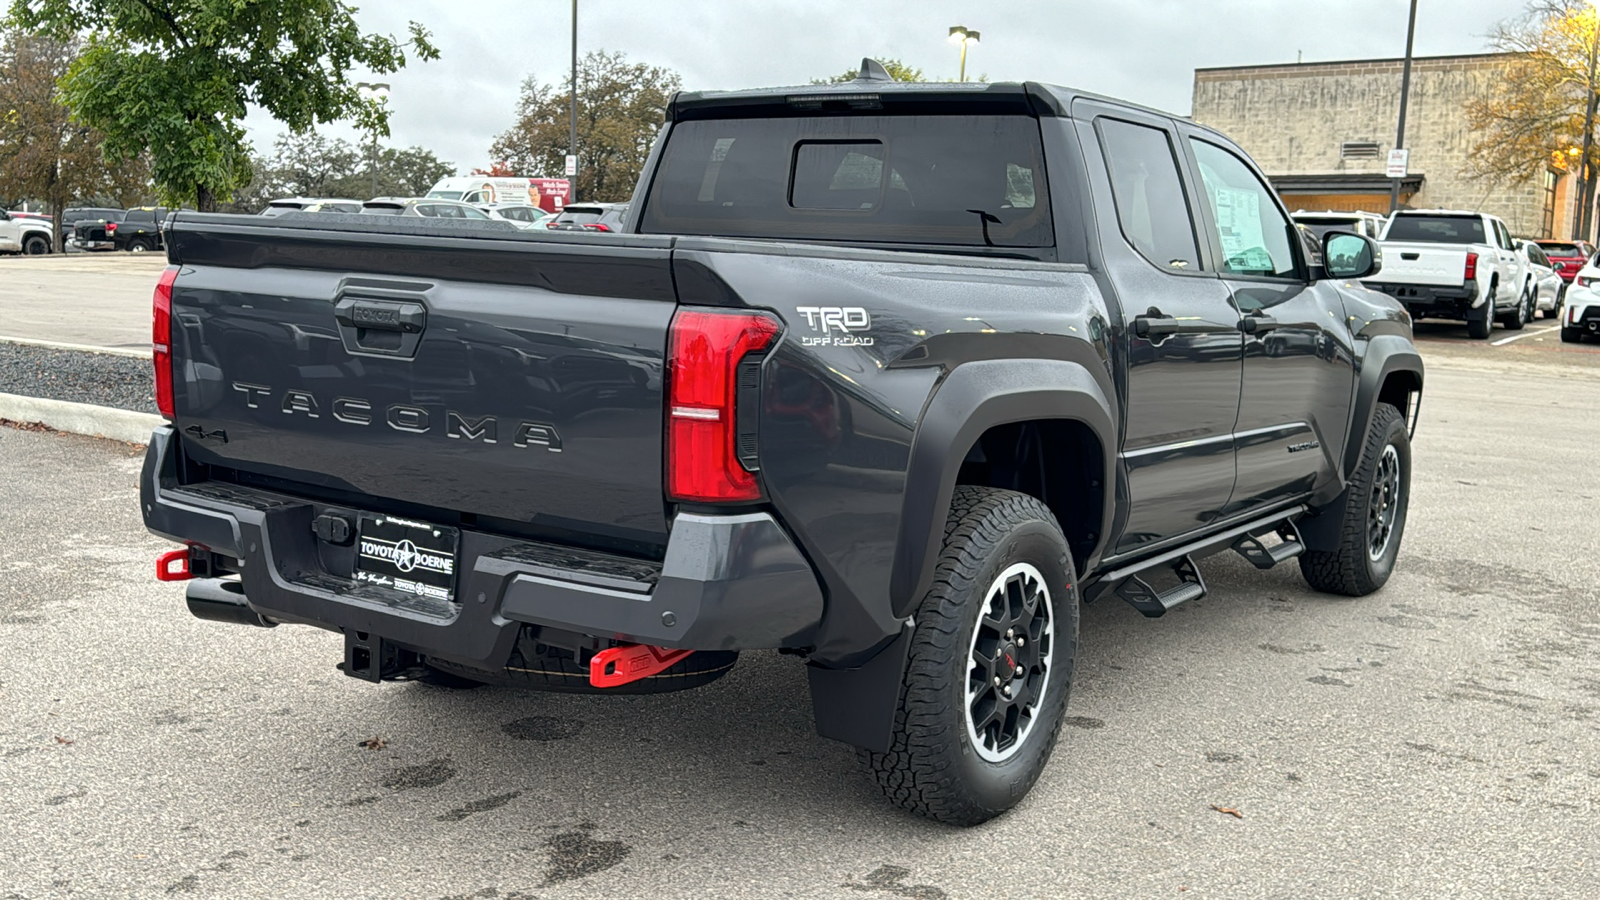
(1438, 739)
(98, 299)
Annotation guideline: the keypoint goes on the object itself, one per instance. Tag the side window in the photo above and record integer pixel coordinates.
(1252, 232)
(1149, 194)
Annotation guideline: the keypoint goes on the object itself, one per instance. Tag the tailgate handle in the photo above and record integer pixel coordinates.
(1411, 257)
(382, 315)
(381, 327)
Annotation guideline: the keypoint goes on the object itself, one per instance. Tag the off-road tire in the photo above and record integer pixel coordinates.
(933, 767)
(1351, 569)
(1571, 335)
(36, 246)
(1480, 322)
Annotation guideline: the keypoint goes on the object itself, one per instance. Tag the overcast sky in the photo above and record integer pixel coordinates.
(1140, 50)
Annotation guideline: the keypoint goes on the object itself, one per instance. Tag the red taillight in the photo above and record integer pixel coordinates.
(161, 340)
(597, 227)
(1472, 267)
(111, 228)
(703, 355)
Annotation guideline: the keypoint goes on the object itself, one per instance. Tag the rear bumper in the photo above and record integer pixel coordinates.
(1430, 301)
(726, 583)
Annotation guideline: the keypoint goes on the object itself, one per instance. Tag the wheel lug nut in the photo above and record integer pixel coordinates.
(997, 681)
(1019, 671)
(1010, 633)
(1006, 690)
(1022, 642)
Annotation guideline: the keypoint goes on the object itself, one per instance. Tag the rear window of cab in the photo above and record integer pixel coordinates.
(961, 180)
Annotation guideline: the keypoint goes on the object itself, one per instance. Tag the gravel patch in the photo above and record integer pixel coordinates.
(123, 382)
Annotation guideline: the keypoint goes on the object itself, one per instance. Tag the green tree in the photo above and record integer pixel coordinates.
(44, 155)
(311, 165)
(897, 70)
(620, 110)
(1533, 119)
(175, 79)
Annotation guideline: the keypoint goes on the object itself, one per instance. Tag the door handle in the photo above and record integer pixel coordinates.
(1257, 324)
(381, 315)
(1154, 325)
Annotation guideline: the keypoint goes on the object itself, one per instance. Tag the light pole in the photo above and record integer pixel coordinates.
(572, 133)
(962, 35)
(1586, 187)
(378, 91)
(1405, 95)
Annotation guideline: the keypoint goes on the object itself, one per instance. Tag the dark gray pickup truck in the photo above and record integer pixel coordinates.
(889, 377)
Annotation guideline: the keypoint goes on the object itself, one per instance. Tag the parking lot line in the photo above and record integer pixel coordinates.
(1518, 337)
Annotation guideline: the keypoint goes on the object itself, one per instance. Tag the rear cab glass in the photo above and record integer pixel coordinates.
(1558, 249)
(579, 216)
(1438, 230)
(954, 180)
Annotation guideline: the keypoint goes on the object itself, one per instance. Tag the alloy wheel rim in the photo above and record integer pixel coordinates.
(1008, 662)
(1384, 509)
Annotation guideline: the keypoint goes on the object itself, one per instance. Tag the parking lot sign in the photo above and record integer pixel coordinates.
(572, 165)
(1398, 160)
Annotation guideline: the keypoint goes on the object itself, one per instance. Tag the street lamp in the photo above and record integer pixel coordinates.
(378, 91)
(962, 35)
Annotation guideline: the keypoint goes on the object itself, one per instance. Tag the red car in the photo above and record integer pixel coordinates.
(1566, 257)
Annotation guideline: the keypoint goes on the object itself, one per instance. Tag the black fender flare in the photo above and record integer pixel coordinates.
(1385, 355)
(973, 398)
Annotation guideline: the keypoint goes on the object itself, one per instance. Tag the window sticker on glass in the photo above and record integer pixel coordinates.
(1239, 221)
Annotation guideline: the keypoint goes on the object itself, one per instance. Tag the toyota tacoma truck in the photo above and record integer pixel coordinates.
(1445, 264)
(890, 377)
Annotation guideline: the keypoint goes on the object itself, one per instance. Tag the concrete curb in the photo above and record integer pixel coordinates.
(81, 418)
(82, 348)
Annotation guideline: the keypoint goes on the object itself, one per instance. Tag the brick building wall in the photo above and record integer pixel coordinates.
(1293, 120)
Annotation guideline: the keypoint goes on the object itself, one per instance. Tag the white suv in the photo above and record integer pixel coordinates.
(1581, 315)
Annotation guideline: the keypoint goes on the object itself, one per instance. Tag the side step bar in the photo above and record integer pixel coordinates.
(1141, 596)
(1128, 583)
(1263, 557)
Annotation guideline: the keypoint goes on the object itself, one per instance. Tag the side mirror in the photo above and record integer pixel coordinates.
(1351, 256)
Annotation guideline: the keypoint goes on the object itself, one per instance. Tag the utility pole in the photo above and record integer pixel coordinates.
(572, 134)
(1405, 96)
(1585, 222)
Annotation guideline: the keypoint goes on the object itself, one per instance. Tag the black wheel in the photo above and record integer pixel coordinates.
(1520, 315)
(138, 245)
(1480, 322)
(36, 245)
(1373, 517)
(990, 669)
(1571, 335)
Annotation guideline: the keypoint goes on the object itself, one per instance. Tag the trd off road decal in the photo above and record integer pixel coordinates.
(841, 326)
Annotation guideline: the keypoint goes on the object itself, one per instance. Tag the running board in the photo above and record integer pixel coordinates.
(1153, 603)
(1124, 581)
(1263, 557)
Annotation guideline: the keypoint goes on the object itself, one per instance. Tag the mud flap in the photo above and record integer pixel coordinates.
(857, 706)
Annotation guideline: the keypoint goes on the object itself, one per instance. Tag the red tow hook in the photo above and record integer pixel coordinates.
(631, 662)
(173, 566)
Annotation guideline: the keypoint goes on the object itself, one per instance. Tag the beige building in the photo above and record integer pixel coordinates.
(1323, 131)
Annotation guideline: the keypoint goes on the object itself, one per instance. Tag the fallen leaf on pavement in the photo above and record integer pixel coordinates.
(1227, 810)
(376, 743)
(62, 740)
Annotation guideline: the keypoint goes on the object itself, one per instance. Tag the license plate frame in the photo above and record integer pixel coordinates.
(407, 556)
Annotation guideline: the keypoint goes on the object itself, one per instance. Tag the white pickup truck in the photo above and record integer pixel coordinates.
(23, 234)
(1444, 264)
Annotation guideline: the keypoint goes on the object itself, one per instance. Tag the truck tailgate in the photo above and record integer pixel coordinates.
(1440, 265)
(507, 376)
